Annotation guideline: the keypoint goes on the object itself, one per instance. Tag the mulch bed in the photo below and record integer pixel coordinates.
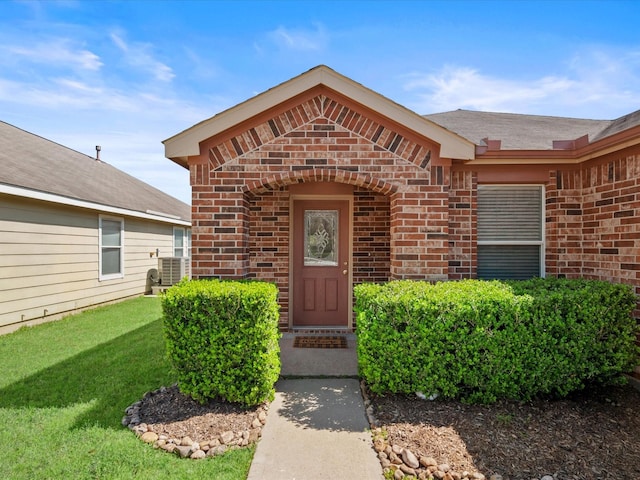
(176, 415)
(592, 435)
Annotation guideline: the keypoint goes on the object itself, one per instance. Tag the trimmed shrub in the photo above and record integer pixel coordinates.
(481, 341)
(222, 339)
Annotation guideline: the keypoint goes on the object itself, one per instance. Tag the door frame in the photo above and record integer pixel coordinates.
(321, 191)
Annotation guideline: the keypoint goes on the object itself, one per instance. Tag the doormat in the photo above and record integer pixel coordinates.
(320, 342)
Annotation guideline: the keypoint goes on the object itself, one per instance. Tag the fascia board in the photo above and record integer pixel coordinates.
(73, 202)
(187, 143)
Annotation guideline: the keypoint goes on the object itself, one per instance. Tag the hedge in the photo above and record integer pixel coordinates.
(222, 339)
(481, 341)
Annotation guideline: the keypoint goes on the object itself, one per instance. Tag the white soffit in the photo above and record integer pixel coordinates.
(187, 143)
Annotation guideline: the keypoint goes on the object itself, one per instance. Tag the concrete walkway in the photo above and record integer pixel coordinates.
(316, 427)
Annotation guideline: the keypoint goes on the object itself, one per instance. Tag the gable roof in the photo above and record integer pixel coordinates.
(620, 124)
(517, 131)
(39, 168)
(187, 143)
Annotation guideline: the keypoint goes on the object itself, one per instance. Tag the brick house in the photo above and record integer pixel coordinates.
(320, 183)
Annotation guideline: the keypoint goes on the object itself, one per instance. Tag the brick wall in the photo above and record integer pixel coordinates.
(371, 237)
(240, 183)
(268, 243)
(414, 217)
(463, 202)
(593, 220)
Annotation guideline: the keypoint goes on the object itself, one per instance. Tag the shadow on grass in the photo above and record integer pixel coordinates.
(113, 375)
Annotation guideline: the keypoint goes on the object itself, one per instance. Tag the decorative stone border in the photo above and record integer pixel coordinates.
(186, 447)
(402, 462)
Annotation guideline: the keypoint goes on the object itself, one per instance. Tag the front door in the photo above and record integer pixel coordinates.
(321, 263)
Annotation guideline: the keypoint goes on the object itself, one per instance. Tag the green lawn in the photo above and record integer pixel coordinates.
(63, 390)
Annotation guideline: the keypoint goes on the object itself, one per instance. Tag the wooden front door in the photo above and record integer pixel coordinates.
(321, 263)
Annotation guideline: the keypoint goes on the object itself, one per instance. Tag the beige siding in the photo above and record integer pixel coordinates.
(49, 258)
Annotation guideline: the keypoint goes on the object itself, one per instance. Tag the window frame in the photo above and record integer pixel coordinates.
(186, 242)
(101, 247)
(540, 243)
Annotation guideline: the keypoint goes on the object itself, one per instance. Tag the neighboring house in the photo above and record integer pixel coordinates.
(76, 232)
(321, 183)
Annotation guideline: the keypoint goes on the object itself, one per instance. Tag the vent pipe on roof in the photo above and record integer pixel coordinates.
(98, 148)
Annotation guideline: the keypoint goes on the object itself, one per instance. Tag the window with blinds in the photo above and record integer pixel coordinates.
(510, 231)
(111, 248)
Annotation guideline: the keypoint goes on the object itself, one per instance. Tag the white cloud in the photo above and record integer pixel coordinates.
(595, 84)
(137, 55)
(462, 87)
(59, 52)
(315, 39)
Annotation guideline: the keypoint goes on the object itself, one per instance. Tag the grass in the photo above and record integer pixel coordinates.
(63, 390)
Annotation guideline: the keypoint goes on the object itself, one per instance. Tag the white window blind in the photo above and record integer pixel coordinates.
(510, 231)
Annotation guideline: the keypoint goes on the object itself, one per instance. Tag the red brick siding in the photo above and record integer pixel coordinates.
(371, 237)
(564, 215)
(463, 202)
(241, 199)
(413, 216)
(313, 142)
(269, 241)
(268, 244)
(593, 221)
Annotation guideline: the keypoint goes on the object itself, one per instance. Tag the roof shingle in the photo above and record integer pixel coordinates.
(32, 162)
(518, 131)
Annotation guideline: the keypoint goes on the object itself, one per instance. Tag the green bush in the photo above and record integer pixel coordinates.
(222, 339)
(481, 341)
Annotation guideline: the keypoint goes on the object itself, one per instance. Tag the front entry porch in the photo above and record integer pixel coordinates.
(314, 362)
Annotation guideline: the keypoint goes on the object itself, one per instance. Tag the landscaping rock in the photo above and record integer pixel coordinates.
(149, 437)
(183, 451)
(428, 462)
(198, 454)
(226, 438)
(146, 419)
(410, 459)
(169, 447)
(408, 470)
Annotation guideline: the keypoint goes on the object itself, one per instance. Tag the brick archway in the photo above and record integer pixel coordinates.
(284, 179)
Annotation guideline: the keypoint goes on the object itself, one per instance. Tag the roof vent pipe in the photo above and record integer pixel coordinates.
(98, 148)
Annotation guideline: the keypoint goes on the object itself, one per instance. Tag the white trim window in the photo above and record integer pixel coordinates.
(111, 238)
(510, 231)
(181, 242)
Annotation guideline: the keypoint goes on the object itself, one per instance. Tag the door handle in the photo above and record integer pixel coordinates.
(344, 272)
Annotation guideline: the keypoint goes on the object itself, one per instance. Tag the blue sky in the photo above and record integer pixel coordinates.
(128, 74)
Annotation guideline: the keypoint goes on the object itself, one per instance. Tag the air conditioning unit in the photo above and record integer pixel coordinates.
(173, 269)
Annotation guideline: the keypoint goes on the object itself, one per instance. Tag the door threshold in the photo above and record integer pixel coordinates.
(320, 330)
